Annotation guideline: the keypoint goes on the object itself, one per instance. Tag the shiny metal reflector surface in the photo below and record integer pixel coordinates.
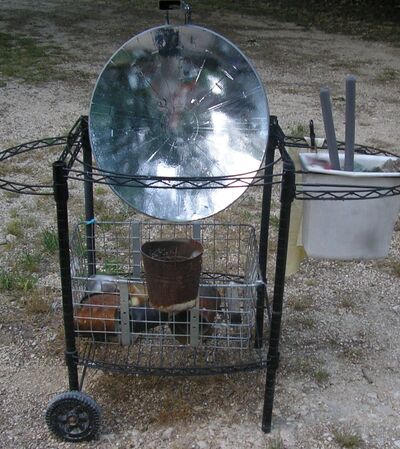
(179, 101)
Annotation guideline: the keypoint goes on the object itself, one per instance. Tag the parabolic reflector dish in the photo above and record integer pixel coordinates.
(179, 101)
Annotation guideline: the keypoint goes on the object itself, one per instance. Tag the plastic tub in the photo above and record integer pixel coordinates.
(350, 228)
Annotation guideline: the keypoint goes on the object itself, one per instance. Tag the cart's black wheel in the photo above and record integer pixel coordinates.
(73, 416)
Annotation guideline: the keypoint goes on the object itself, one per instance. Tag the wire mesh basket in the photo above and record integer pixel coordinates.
(113, 316)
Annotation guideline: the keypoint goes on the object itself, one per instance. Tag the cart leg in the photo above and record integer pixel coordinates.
(260, 307)
(61, 198)
(272, 366)
(262, 298)
(287, 196)
(89, 201)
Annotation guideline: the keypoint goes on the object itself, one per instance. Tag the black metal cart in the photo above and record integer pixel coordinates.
(238, 341)
(243, 333)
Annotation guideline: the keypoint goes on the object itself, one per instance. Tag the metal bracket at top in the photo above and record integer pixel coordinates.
(169, 5)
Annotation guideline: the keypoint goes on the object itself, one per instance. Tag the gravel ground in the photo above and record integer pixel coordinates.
(338, 384)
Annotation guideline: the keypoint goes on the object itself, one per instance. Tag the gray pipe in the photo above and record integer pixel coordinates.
(350, 123)
(329, 127)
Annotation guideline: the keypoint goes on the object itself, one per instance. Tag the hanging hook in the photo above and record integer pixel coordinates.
(312, 136)
(188, 12)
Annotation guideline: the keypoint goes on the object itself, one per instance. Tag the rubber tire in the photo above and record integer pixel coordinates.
(82, 412)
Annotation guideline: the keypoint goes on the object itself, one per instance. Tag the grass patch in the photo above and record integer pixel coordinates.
(353, 353)
(246, 215)
(111, 265)
(106, 211)
(321, 375)
(353, 66)
(347, 303)
(10, 195)
(37, 303)
(100, 190)
(275, 443)
(274, 222)
(29, 262)
(310, 282)
(102, 208)
(388, 75)
(389, 265)
(15, 227)
(303, 366)
(301, 303)
(396, 268)
(299, 130)
(56, 346)
(24, 57)
(339, 99)
(14, 213)
(290, 90)
(348, 439)
(378, 21)
(6, 281)
(49, 239)
(173, 410)
(305, 322)
(13, 281)
(311, 368)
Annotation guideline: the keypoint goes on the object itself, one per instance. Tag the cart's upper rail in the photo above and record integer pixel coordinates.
(76, 169)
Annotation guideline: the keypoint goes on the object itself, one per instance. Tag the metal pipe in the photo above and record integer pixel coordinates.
(89, 200)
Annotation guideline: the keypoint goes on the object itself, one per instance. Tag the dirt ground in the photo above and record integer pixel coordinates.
(338, 384)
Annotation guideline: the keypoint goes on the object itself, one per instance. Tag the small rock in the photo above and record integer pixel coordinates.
(10, 238)
(109, 437)
(56, 306)
(203, 445)
(390, 166)
(397, 443)
(167, 434)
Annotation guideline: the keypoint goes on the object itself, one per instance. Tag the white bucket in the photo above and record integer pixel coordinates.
(350, 228)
